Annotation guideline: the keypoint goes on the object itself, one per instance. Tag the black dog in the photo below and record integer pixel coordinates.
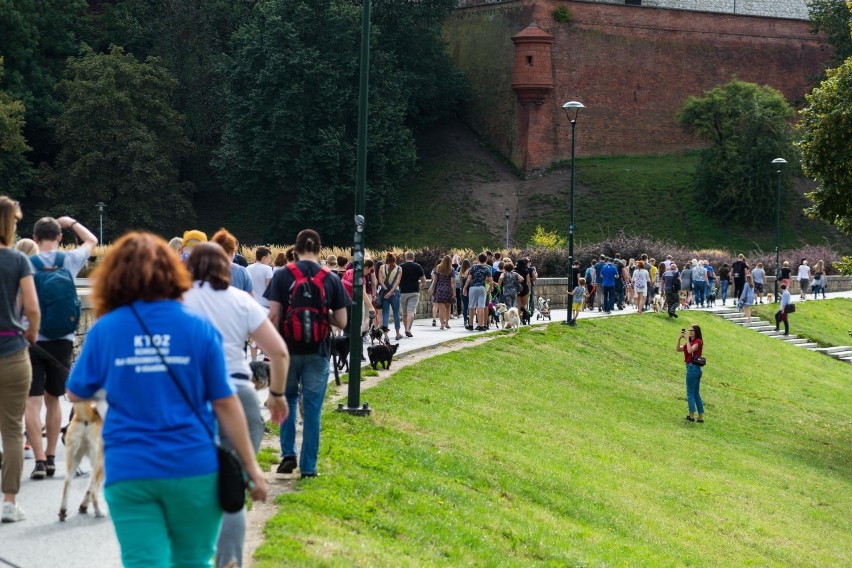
(493, 316)
(382, 354)
(340, 348)
(525, 317)
(376, 334)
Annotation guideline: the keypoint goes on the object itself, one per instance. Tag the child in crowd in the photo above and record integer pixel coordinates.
(579, 294)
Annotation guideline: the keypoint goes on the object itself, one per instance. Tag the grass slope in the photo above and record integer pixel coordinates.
(560, 447)
(828, 322)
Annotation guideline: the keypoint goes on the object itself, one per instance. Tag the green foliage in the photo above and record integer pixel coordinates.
(546, 239)
(747, 127)
(584, 464)
(288, 149)
(844, 266)
(121, 143)
(826, 145)
(834, 19)
(14, 168)
(563, 15)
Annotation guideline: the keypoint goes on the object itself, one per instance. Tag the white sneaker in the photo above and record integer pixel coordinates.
(12, 513)
(28, 453)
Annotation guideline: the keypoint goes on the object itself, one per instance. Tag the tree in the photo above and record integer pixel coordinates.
(14, 168)
(826, 145)
(288, 149)
(120, 144)
(834, 18)
(747, 127)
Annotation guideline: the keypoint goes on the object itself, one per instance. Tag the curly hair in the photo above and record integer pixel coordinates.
(140, 266)
(209, 263)
(226, 240)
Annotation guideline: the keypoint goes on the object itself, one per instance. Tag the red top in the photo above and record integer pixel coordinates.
(698, 346)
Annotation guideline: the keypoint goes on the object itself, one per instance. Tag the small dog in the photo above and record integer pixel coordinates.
(340, 347)
(382, 354)
(526, 317)
(83, 438)
(657, 303)
(510, 316)
(260, 374)
(376, 334)
(710, 300)
(493, 316)
(770, 298)
(543, 309)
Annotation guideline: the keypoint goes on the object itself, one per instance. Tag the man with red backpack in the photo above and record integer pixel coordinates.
(55, 271)
(305, 299)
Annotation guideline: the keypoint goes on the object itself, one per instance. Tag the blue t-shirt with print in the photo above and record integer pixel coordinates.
(150, 431)
(478, 274)
(608, 274)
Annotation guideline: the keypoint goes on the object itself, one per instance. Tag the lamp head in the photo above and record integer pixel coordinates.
(506, 212)
(574, 106)
(779, 161)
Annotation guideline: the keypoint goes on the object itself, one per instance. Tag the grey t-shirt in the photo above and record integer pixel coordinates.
(14, 265)
(73, 263)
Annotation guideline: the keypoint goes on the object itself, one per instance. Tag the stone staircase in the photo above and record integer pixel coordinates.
(766, 328)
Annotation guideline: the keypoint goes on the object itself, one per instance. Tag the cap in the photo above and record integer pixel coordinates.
(194, 235)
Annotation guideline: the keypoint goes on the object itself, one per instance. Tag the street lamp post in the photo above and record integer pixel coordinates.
(506, 212)
(100, 205)
(569, 107)
(778, 162)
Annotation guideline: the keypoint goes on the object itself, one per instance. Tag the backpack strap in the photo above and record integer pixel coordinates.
(294, 270)
(58, 261)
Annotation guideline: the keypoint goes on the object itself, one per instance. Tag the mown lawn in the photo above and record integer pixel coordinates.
(568, 447)
(828, 322)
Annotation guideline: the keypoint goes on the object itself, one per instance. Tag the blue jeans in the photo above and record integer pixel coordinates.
(609, 297)
(725, 290)
(693, 384)
(311, 372)
(699, 287)
(387, 305)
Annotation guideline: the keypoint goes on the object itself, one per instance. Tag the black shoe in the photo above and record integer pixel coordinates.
(469, 327)
(690, 419)
(675, 315)
(308, 475)
(50, 466)
(40, 470)
(288, 464)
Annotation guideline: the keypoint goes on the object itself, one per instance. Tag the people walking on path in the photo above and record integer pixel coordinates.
(747, 297)
(444, 287)
(578, 297)
(819, 281)
(671, 288)
(782, 313)
(238, 315)
(166, 511)
(691, 344)
(759, 276)
(510, 283)
(739, 270)
(308, 373)
(16, 282)
(389, 278)
(786, 273)
(724, 281)
(699, 282)
(641, 280)
(51, 356)
(240, 277)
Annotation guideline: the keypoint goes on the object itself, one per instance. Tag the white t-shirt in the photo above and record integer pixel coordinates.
(73, 263)
(260, 275)
(640, 280)
(804, 272)
(235, 314)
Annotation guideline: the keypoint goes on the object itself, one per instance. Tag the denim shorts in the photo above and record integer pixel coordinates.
(476, 297)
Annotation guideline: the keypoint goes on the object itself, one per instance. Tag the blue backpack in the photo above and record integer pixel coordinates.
(57, 298)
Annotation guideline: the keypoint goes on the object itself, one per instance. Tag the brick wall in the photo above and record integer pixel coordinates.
(632, 67)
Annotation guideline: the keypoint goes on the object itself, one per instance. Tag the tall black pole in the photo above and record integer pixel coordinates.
(355, 345)
(778, 162)
(569, 107)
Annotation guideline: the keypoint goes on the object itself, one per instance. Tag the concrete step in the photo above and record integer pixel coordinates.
(847, 359)
(841, 354)
(810, 345)
(762, 328)
(771, 333)
(742, 320)
(785, 337)
(754, 324)
(798, 341)
(838, 349)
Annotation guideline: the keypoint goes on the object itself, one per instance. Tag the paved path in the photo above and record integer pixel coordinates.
(83, 541)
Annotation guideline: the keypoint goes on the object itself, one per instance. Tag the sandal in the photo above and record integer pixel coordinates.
(433, 323)
(408, 334)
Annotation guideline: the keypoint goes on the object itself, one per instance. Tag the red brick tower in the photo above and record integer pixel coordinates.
(532, 81)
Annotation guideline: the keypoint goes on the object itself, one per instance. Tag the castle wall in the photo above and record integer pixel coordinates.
(632, 67)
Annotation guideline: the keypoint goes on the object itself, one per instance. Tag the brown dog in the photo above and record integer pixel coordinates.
(83, 438)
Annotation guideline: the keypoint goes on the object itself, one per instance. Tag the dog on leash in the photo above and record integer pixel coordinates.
(340, 347)
(83, 439)
(382, 354)
(710, 300)
(657, 303)
(260, 374)
(376, 334)
(510, 316)
(493, 315)
(525, 315)
(543, 309)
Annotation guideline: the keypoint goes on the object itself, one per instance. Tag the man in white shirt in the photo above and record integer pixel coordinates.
(52, 353)
(261, 275)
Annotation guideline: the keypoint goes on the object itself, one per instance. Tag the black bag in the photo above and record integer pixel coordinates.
(232, 478)
(232, 481)
(699, 361)
(790, 309)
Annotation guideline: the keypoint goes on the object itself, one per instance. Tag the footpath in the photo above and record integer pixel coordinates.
(84, 541)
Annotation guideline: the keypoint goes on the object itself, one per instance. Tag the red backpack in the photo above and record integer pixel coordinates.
(306, 322)
(348, 281)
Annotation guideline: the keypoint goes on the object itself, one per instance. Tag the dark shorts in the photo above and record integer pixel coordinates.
(758, 287)
(47, 375)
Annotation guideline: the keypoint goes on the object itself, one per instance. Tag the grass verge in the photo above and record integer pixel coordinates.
(564, 447)
(827, 322)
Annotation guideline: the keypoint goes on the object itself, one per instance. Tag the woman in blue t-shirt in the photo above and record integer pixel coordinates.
(160, 462)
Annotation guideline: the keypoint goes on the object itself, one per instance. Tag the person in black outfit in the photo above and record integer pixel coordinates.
(739, 270)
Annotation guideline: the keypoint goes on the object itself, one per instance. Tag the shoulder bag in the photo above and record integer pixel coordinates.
(699, 361)
(232, 478)
(790, 309)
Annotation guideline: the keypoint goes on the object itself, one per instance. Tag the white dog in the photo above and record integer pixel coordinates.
(510, 316)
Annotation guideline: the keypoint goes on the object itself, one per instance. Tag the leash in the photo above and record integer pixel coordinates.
(7, 563)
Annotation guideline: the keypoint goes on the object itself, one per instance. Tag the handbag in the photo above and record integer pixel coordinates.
(790, 309)
(699, 361)
(232, 477)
